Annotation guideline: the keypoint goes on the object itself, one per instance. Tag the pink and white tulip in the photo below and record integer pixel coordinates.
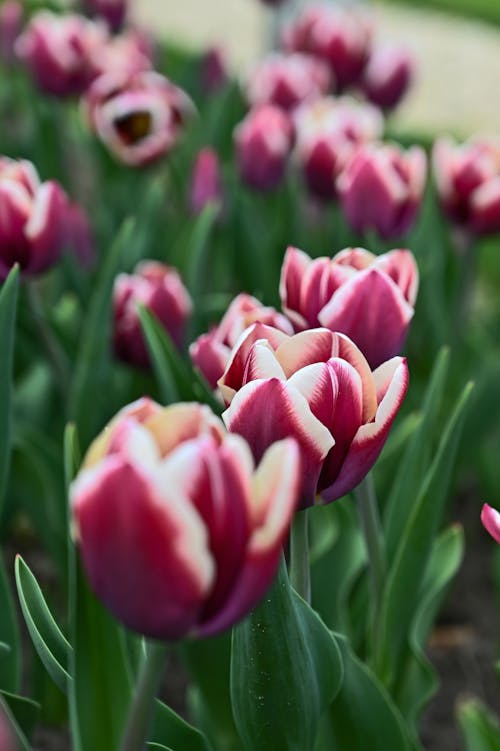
(130, 52)
(179, 533)
(468, 182)
(210, 353)
(340, 36)
(328, 131)
(263, 142)
(138, 116)
(113, 12)
(318, 388)
(388, 76)
(381, 188)
(369, 298)
(158, 288)
(206, 181)
(287, 80)
(490, 519)
(11, 22)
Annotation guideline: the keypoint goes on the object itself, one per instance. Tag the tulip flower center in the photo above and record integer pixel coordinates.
(133, 127)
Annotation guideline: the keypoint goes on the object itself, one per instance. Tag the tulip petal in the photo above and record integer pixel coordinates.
(295, 264)
(262, 363)
(400, 265)
(490, 519)
(47, 226)
(485, 207)
(182, 422)
(305, 348)
(357, 258)
(210, 356)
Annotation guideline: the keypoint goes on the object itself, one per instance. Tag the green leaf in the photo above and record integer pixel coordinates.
(480, 728)
(362, 716)
(49, 641)
(24, 711)
(401, 597)
(169, 727)
(10, 662)
(11, 717)
(8, 307)
(282, 678)
(157, 747)
(196, 264)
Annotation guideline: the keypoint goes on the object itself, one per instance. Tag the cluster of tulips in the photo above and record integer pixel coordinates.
(282, 372)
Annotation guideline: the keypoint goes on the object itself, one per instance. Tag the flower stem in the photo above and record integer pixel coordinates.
(372, 533)
(467, 257)
(300, 576)
(135, 735)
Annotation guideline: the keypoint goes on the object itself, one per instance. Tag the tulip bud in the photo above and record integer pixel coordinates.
(388, 76)
(263, 141)
(127, 53)
(206, 181)
(468, 183)
(11, 21)
(7, 742)
(113, 12)
(213, 70)
(328, 131)
(178, 532)
(340, 36)
(381, 189)
(369, 298)
(490, 519)
(287, 80)
(160, 289)
(210, 352)
(138, 116)
(318, 388)
(35, 221)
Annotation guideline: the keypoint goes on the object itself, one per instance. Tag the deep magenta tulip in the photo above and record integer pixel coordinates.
(382, 187)
(214, 74)
(113, 12)
(206, 181)
(318, 388)
(328, 131)
(11, 21)
(468, 182)
(370, 298)
(179, 534)
(287, 80)
(491, 521)
(263, 142)
(158, 288)
(388, 76)
(210, 353)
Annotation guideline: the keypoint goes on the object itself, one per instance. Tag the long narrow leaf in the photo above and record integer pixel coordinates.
(8, 306)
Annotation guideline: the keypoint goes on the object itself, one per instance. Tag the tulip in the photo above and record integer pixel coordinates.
(263, 141)
(388, 76)
(11, 21)
(36, 220)
(468, 183)
(491, 521)
(60, 51)
(213, 70)
(130, 52)
(138, 116)
(287, 80)
(381, 188)
(318, 388)
(328, 131)
(113, 12)
(160, 289)
(206, 181)
(7, 742)
(210, 353)
(340, 36)
(369, 298)
(179, 534)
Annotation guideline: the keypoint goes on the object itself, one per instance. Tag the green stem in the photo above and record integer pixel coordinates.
(135, 735)
(300, 576)
(372, 532)
(467, 252)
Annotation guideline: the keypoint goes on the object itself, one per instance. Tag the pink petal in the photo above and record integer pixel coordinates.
(293, 269)
(357, 258)
(47, 226)
(490, 519)
(305, 348)
(401, 266)
(210, 356)
(320, 281)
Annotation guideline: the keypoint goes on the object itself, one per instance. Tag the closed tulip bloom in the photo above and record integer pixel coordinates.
(491, 521)
(468, 182)
(138, 116)
(388, 76)
(328, 131)
(370, 298)
(210, 353)
(180, 535)
(60, 50)
(213, 68)
(340, 36)
(263, 142)
(11, 21)
(287, 80)
(129, 52)
(382, 187)
(206, 181)
(317, 387)
(113, 12)
(158, 288)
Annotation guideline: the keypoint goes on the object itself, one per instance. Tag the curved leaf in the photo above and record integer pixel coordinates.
(8, 307)
(480, 728)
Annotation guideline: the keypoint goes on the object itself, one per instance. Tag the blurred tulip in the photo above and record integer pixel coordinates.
(468, 182)
(287, 80)
(210, 353)
(11, 21)
(160, 289)
(213, 70)
(130, 52)
(113, 12)
(7, 742)
(60, 50)
(382, 187)
(317, 387)
(388, 76)
(341, 36)
(138, 116)
(178, 533)
(36, 220)
(491, 521)
(327, 131)
(264, 141)
(369, 298)
(206, 181)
